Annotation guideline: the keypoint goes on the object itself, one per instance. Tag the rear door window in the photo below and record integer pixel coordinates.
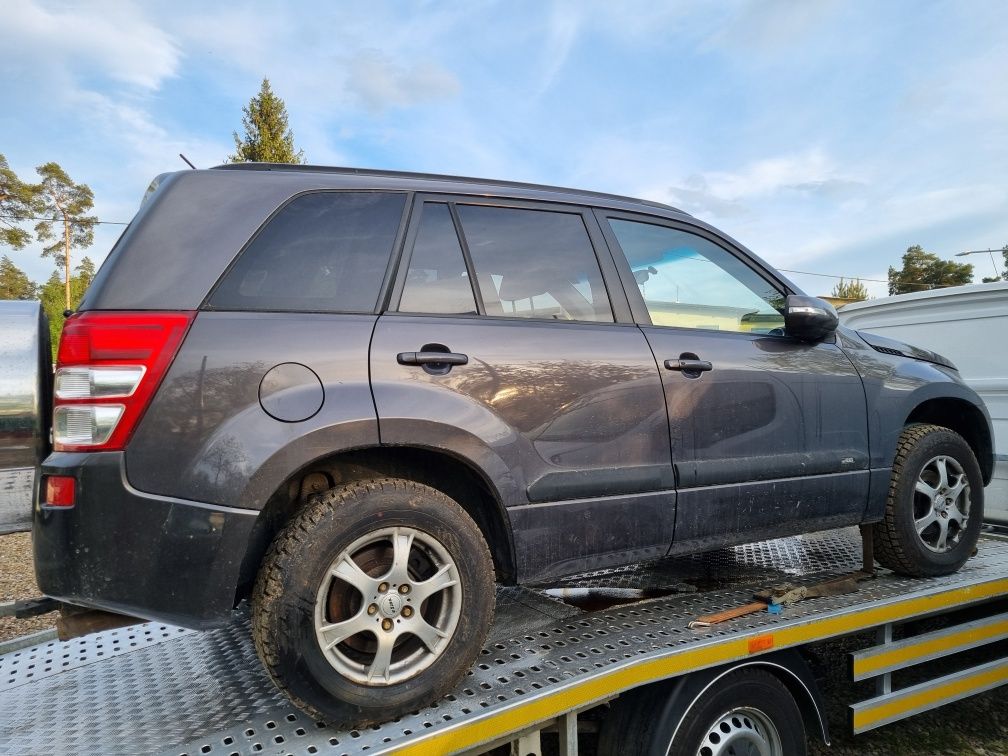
(535, 264)
(437, 280)
(323, 252)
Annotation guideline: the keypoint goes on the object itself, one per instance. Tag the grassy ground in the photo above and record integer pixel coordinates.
(978, 725)
(975, 727)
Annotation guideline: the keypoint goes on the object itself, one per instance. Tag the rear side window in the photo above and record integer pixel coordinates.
(535, 264)
(323, 252)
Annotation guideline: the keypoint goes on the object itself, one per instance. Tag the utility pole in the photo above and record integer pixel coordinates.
(990, 252)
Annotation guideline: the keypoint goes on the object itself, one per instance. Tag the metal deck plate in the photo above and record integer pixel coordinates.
(153, 688)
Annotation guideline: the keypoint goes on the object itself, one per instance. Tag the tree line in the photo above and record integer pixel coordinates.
(60, 209)
(921, 270)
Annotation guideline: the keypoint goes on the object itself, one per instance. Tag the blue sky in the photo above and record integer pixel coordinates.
(826, 136)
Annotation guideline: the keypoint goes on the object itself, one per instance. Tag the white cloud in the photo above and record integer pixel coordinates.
(817, 133)
(113, 40)
(726, 194)
(772, 27)
(379, 82)
(696, 196)
(140, 142)
(769, 175)
(903, 215)
(561, 34)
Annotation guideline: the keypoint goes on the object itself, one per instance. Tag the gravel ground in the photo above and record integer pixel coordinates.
(17, 581)
(975, 727)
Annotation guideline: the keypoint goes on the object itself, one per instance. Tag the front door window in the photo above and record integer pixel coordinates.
(690, 282)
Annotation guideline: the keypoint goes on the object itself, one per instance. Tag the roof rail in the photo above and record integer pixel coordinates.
(299, 168)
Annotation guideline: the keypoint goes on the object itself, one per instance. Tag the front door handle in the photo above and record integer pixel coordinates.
(432, 358)
(688, 365)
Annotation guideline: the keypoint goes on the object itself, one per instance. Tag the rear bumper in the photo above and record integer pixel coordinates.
(126, 551)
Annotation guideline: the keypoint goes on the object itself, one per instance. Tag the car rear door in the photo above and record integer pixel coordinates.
(537, 377)
(768, 433)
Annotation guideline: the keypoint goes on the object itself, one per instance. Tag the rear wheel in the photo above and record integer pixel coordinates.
(373, 601)
(935, 506)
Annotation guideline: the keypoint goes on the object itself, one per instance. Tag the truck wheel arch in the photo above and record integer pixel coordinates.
(664, 705)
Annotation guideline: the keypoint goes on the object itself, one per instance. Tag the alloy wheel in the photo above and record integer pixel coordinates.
(388, 606)
(941, 503)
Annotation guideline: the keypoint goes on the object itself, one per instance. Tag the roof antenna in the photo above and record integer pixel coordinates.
(187, 161)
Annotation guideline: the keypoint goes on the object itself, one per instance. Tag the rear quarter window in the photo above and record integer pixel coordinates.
(322, 252)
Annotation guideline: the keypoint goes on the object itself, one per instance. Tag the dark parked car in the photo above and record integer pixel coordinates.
(358, 398)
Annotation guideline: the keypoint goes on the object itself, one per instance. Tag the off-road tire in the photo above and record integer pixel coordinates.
(896, 542)
(283, 601)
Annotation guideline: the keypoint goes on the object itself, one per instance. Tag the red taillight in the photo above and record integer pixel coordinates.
(60, 491)
(108, 367)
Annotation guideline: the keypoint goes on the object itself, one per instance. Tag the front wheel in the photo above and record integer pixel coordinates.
(373, 601)
(935, 506)
(745, 711)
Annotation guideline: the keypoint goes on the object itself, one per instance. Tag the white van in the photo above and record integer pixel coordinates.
(969, 325)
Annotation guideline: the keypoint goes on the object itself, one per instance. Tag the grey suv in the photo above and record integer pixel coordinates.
(358, 399)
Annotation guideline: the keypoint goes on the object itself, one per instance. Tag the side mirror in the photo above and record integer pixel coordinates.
(809, 318)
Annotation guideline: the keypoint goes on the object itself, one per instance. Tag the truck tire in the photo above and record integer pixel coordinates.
(373, 601)
(747, 710)
(935, 506)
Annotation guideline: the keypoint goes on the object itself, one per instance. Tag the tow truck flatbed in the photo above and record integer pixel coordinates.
(154, 688)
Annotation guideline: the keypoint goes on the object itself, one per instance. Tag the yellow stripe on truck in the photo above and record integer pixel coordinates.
(948, 643)
(935, 694)
(547, 706)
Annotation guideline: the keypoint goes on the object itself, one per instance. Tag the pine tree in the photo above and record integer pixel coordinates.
(14, 284)
(66, 203)
(925, 270)
(51, 293)
(16, 199)
(853, 290)
(268, 138)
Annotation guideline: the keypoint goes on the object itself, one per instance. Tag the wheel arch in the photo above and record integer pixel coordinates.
(787, 666)
(966, 419)
(661, 707)
(457, 478)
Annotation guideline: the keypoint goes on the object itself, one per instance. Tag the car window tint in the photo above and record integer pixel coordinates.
(323, 252)
(690, 282)
(437, 280)
(535, 264)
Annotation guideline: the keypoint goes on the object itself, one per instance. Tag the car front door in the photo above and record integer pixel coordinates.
(768, 433)
(536, 376)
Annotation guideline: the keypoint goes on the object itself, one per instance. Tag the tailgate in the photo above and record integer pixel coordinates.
(25, 401)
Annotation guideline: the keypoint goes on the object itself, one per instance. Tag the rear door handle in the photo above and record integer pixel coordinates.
(688, 366)
(432, 358)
